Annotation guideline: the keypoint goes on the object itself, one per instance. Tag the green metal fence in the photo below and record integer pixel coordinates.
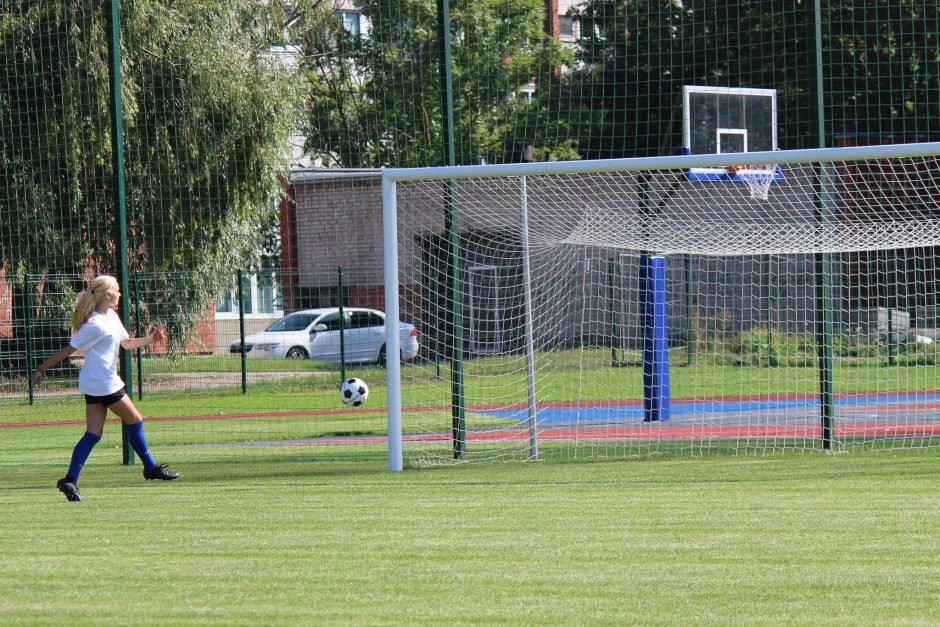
(158, 141)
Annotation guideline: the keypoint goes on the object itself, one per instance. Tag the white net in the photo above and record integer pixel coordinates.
(538, 338)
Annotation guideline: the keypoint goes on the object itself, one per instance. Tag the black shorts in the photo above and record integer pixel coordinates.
(106, 400)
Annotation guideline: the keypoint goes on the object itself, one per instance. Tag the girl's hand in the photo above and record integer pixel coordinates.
(37, 375)
(158, 334)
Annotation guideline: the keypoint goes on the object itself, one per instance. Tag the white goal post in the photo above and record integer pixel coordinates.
(510, 269)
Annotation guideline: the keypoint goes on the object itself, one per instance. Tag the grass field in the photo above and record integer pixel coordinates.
(190, 420)
(307, 390)
(825, 539)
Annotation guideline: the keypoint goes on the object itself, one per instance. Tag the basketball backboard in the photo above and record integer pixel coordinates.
(719, 120)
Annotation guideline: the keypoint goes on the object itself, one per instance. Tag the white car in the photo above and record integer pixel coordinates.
(314, 334)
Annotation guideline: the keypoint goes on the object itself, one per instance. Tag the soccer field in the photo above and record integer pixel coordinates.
(812, 538)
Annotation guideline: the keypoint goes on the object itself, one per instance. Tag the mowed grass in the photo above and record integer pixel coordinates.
(567, 379)
(813, 538)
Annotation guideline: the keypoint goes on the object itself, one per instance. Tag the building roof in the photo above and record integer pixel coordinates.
(325, 175)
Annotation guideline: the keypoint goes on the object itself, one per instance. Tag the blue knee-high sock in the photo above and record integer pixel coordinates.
(135, 434)
(80, 454)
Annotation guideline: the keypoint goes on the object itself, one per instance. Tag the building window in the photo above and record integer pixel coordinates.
(567, 28)
(225, 304)
(267, 293)
(351, 22)
(261, 293)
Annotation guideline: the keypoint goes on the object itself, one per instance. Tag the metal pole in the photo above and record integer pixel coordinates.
(654, 314)
(137, 330)
(28, 319)
(771, 357)
(891, 297)
(241, 333)
(614, 328)
(455, 324)
(452, 228)
(822, 261)
(689, 333)
(392, 339)
(117, 164)
(342, 328)
(529, 325)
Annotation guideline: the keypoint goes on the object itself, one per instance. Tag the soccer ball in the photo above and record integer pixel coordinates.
(354, 392)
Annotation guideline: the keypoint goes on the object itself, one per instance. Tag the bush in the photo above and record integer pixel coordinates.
(760, 347)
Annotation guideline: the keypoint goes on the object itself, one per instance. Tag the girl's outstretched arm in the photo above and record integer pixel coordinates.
(156, 334)
(63, 352)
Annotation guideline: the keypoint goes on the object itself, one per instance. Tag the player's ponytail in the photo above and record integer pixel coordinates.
(89, 298)
(82, 311)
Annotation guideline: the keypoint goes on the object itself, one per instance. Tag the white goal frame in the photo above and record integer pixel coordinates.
(392, 176)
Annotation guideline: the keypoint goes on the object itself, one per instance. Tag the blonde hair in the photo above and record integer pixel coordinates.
(91, 298)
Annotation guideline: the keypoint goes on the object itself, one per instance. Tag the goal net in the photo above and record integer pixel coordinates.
(616, 308)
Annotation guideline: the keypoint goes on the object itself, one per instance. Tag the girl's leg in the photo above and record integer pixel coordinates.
(128, 413)
(94, 426)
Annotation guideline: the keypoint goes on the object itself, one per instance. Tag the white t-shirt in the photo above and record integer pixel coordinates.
(100, 338)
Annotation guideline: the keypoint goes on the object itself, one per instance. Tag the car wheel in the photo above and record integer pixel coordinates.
(296, 352)
(381, 360)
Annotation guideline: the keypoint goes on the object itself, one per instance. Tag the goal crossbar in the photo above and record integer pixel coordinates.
(676, 162)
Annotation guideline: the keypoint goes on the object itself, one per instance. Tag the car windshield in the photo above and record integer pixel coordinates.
(293, 322)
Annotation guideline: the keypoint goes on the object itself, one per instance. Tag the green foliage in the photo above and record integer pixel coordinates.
(54, 136)
(207, 114)
(376, 100)
(856, 346)
(761, 347)
(880, 68)
(752, 348)
(889, 81)
(912, 353)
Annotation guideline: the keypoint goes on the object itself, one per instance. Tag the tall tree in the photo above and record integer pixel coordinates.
(879, 67)
(883, 68)
(635, 56)
(207, 113)
(375, 96)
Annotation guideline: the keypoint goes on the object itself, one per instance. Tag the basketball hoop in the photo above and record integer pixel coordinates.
(758, 178)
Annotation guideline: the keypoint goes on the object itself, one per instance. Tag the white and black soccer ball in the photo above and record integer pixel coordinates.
(354, 392)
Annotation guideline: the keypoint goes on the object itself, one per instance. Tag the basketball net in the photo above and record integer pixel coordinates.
(758, 178)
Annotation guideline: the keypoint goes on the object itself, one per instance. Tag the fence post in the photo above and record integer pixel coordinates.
(454, 304)
(615, 340)
(822, 261)
(689, 332)
(117, 165)
(342, 327)
(241, 333)
(28, 321)
(137, 330)
(768, 306)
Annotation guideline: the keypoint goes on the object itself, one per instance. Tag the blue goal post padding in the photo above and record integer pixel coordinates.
(655, 338)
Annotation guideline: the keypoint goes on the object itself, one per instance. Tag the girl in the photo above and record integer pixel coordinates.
(97, 330)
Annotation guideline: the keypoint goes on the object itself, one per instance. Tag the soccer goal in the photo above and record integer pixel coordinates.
(620, 308)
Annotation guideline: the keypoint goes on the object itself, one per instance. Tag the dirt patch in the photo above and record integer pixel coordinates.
(17, 388)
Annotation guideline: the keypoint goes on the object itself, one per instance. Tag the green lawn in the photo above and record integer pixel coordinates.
(303, 404)
(835, 539)
(567, 377)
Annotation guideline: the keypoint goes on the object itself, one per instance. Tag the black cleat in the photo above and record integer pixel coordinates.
(161, 472)
(68, 488)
